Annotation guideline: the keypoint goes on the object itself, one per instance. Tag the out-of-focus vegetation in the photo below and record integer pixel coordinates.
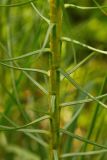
(22, 99)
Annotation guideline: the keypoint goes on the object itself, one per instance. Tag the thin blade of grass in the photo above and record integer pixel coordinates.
(47, 35)
(74, 117)
(36, 83)
(16, 4)
(51, 25)
(83, 45)
(100, 8)
(3, 47)
(55, 155)
(25, 69)
(89, 153)
(41, 131)
(81, 101)
(80, 88)
(21, 152)
(35, 138)
(79, 64)
(6, 128)
(9, 93)
(82, 139)
(37, 11)
(73, 122)
(94, 117)
(10, 52)
(82, 7)
(28, 54)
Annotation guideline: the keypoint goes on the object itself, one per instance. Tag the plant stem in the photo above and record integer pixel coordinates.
(54, 98)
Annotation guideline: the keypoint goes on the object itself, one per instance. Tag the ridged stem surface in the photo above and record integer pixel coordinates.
(54, 97)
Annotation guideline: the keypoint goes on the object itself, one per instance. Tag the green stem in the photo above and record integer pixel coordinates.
(54, 98)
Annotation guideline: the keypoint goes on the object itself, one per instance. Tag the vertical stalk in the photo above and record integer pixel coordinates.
(54, 98)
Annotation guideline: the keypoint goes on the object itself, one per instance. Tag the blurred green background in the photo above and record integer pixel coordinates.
(22, 31)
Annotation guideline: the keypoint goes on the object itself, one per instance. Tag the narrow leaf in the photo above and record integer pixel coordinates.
(35, 138)
(80, 88)
(82, 7)
(37, 11)
(100, 8)
(25, 69)
(16, 4)
(89, 153)
(28, 54)
(5, 128)
(36, 83)
(81, 101)
(55, 155)
(79, 64)
(41, 131)
(82, 139)
(83, 45)
(26, 154)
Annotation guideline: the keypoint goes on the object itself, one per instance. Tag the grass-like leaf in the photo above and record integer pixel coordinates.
(81, 101)
(28, 54)
(5, 128)
(37, 11)
(9, 52)
(16, 4)
(82, 139)
(74, 117)
(94, 116)
(81, 63)
(70, 71)
(82, 7)
(55, 155)
(83, 45)
(36, 83)
(35, 138)
(41, 131)
(80, 88)
(25, 69)
(21, 152)
(89, 153)
(100, 7)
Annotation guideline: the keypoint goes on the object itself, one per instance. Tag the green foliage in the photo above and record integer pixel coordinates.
(53, 80)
